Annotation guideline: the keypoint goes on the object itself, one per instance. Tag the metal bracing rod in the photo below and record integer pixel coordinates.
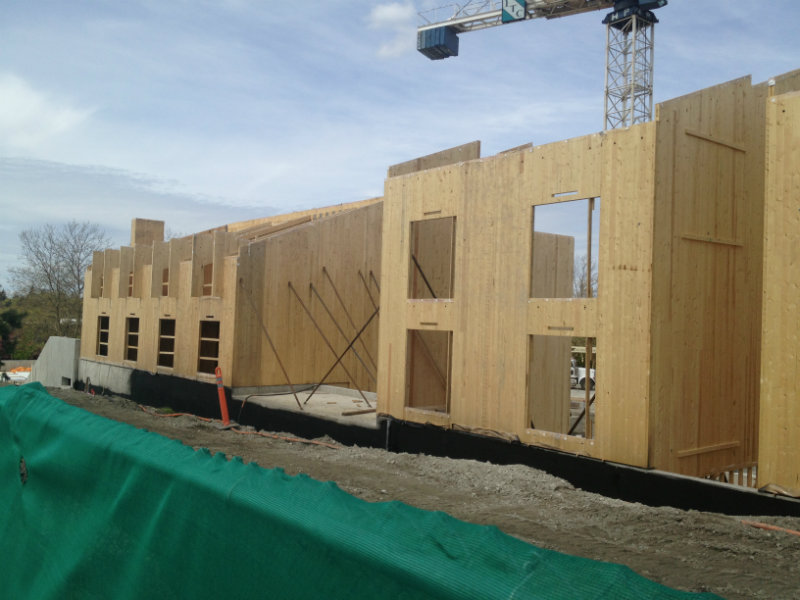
(375, 281)
(366, 287)
(271, 345)
(339, 298)
(347, 312)
(339, 358)
(442, 377)
(327, 343)
(344, 335)
(425, 279)
(580, 416)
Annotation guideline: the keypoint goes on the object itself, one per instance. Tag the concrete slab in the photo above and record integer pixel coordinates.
(340, 405)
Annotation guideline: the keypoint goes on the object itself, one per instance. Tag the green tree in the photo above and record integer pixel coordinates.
(10, 324)
(49, 284)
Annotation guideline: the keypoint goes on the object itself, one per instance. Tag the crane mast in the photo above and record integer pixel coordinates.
(629, 43)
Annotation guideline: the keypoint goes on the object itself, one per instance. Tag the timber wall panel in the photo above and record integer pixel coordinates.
(779, 447)
(491, 313)
(125, 269)
(146, 231)
(462, 153)
(202, 255)
(252, 348)
(97, 275)
(110, 262)
(160, 260)
(180, 250)
(347, 245)
(336, 254)
(707, 281)
(625, 280)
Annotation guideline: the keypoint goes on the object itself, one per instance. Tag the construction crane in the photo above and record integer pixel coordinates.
(629, 43)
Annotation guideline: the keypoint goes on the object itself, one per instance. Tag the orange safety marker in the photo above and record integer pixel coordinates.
(223, 403)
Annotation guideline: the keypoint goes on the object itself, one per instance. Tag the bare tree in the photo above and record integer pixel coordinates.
(581, 281)
(54, 260)
(170, 234)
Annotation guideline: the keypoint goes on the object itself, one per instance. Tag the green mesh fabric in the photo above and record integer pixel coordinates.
(104, 510)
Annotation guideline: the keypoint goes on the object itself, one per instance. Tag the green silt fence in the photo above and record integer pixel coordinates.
(92, 508)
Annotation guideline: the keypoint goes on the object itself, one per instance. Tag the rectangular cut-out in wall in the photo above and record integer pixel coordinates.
(102, 335)
(429, 365)
(132, 338)
(432, 258)
(130, 284)
(208, 356)
(561, 387)
(208, 279)
(565, 249)
(583, 377)
(165, 282)
(166, 343)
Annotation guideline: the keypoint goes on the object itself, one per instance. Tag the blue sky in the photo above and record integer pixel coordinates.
(204, 112)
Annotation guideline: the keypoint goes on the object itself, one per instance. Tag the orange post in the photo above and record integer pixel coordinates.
(223, 403)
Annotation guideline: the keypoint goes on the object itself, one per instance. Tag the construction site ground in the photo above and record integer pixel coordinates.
(688, 550)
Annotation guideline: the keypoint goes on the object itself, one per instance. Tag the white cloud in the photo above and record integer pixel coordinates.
(28, 118)
(399, 19)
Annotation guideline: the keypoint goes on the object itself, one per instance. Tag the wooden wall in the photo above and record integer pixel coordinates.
(338, 254)
(678, 315)
(492, 314)
(707, 287)
(779, 439)
(683, 352)
(339, 257)
(183, 257)
(469, 151)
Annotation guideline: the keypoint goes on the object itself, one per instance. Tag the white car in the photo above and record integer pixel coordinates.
(577, 377)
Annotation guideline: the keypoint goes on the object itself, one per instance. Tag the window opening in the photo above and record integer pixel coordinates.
(208, 357)
(165, 282)
(561, 386)
(565, 249)
(130, 284)
(432, 258)
(102, 336)
(208, 277)
(429, 366)
(131, 338)
(166, 343)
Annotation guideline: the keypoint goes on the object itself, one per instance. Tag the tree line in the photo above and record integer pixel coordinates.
(46, 295)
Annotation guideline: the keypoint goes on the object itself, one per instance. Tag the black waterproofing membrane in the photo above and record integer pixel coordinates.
(93, 508)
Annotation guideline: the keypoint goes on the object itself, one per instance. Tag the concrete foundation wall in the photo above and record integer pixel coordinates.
(105, 377)
(57, 365)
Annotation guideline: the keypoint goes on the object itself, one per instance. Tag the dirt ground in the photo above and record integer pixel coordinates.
(687, 550)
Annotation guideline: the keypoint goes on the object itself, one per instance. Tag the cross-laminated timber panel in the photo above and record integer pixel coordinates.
(182, 259)
(707, 283)
(779, 428)
(491, 313)
(678, 315)
(310, 289)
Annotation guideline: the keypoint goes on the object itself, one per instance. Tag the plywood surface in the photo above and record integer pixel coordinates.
(491, 313)
(779, 439)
